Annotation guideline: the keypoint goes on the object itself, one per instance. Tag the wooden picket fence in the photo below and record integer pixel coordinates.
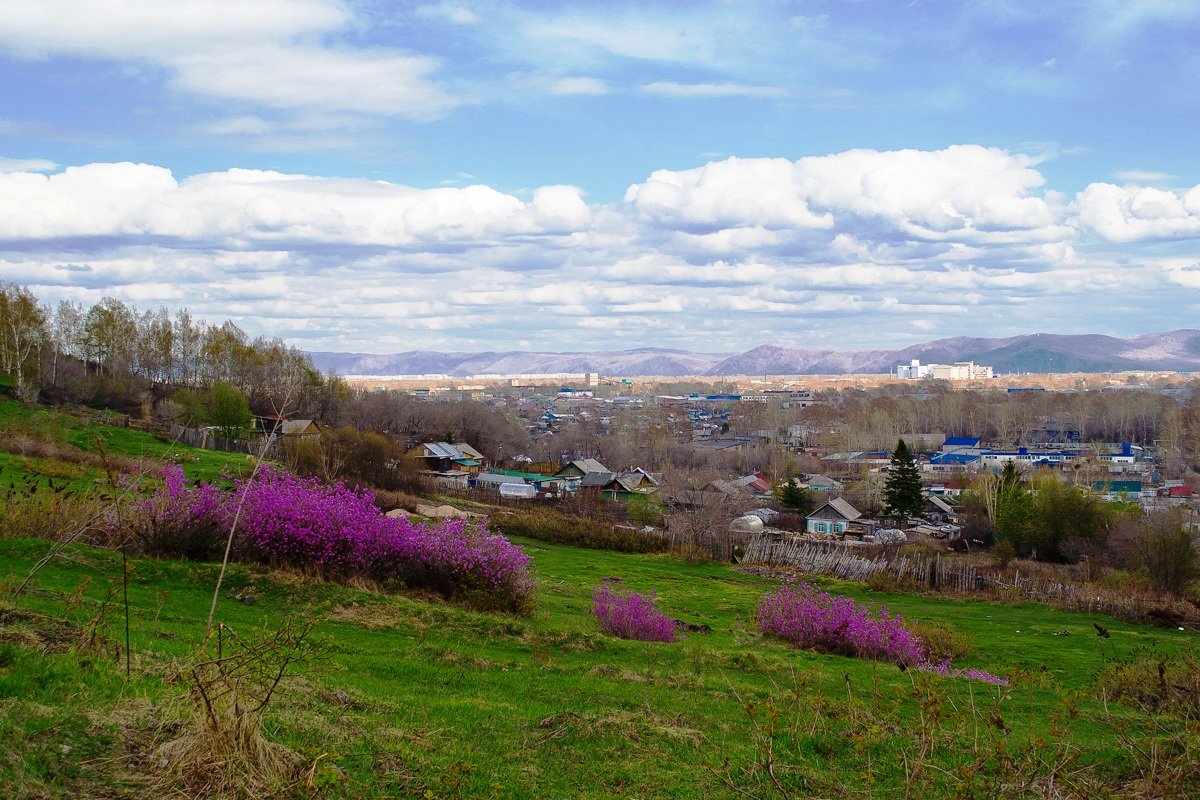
(849, 562)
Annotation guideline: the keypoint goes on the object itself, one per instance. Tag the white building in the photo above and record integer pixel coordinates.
(914, 371)
(958, 371)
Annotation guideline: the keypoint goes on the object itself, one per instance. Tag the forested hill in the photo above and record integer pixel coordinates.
(1039, 352)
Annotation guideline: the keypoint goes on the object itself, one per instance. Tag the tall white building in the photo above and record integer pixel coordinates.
(914, 371)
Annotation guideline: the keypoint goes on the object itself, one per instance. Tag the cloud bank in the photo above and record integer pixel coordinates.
(858, 248)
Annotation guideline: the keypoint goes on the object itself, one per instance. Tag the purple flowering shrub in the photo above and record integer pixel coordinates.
(815, 620)
(812, 619)
(176, 518)
(629, 615)
(298, 522)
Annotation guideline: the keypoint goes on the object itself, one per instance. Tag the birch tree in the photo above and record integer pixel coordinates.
(22, 335)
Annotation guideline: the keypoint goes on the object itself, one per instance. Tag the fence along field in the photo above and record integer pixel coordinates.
(953, 575)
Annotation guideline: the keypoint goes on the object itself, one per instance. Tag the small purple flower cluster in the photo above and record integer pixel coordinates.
(946, 669)
(629, 615)
(816, 620)
(287, 520)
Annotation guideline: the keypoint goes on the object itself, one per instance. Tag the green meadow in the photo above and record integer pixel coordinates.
(409, 696)
(403, 694)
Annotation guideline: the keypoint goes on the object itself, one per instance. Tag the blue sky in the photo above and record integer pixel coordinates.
(376, 176)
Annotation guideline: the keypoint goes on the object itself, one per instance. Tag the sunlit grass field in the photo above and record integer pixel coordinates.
(412, 696)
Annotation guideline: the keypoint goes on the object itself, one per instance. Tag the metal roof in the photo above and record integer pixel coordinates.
(597, 479)
(842, 507)
(941, 504)
(492, 479)
(455, 452)
(442, 450)
(953, 458)
(586, 466)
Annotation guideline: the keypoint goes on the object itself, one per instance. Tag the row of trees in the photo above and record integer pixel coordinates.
(113, 354)
(874, 419)
(1040, 516)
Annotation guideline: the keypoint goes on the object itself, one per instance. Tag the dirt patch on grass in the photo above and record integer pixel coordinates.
(372, 616)
(37, 631)
(638, 726)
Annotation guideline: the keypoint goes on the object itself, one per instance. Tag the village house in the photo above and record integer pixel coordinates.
(819, 483)
(755, 482)
(449, 457)
(938, 510)
(730, 489)
(630, 484)
(832, 516)
(449, 464)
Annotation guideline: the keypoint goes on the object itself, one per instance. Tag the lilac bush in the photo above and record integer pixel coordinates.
(176, 518)
(629, 615)
(816, 620)
(812, 619)
(298, 522)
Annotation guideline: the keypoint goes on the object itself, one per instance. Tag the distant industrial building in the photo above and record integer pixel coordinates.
(958, 371)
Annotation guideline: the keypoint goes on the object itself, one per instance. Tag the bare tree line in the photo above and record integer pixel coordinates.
(71, 349)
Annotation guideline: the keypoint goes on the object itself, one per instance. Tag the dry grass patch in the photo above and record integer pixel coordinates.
(640, 726)
(223, 752)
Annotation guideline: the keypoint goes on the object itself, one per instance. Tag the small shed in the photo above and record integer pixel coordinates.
(299, 427)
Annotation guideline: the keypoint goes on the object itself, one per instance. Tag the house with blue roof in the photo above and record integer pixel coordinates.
(1127, 453)
(957, 451)
(1026, 458)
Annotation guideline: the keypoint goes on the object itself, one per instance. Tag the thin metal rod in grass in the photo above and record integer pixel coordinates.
(280, 411)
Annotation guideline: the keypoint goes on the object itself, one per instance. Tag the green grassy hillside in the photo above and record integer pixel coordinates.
(413, 697)
(45, 444)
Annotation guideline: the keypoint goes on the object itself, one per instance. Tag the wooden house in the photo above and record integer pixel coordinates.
(832, 516)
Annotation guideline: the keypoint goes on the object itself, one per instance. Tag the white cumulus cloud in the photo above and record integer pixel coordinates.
(273, 52)
(676, 89)
(963, 192)
(728, 254)
(254, 205)
(1129, 213)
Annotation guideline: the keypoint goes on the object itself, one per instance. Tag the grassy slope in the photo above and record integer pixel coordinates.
(421, 697)
(94, 437)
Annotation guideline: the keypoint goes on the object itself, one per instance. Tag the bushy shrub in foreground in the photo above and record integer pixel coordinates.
(300, 522)
(630, 615)
(812, 619)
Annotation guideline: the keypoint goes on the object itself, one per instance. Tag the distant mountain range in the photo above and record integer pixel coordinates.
(1037, 352)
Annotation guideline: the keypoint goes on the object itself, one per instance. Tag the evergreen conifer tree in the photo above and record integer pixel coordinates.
(902, 496)
(795, 498)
